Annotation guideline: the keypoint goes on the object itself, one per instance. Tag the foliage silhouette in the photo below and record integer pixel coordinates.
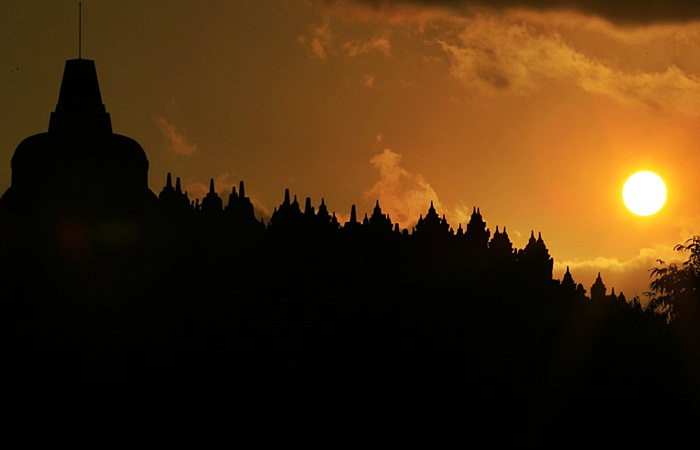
(674, 290)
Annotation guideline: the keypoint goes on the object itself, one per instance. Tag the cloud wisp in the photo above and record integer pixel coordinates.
(401, 194)
(379, 43)
(646, 258)
(179, 144)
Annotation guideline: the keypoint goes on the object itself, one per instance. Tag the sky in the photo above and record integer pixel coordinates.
(535, 112)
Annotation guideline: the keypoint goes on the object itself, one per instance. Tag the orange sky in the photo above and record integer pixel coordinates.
(535, 116)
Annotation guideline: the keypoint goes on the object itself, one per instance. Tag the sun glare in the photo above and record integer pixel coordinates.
(644, 193)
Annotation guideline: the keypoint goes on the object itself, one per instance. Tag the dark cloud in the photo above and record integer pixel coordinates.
(621, 12)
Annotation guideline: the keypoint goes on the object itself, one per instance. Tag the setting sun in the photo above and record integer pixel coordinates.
(644, 193)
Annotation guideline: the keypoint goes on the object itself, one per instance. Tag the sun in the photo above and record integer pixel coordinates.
(644, 193)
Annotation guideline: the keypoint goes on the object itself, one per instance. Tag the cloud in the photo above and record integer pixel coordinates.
(633, 272)
(672, 89)
(500, 55)
(406, 196)
(518, 52)
(401, 194)
(627, 13)
(179, 144)
(355, 48)
(646, 258)
(261, 211)
(630, 275)
(320, 41)
(495, 56)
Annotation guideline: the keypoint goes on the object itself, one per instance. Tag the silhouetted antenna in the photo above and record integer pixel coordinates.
(80, 30)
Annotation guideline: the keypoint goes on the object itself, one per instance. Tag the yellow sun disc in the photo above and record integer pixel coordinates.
(644, 193)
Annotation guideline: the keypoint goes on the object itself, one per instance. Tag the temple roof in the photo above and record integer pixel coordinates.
(80, 108)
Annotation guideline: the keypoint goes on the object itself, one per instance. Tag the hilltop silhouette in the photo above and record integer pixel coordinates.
(130, 315)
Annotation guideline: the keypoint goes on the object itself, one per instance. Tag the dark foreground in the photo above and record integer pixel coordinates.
(279, 359)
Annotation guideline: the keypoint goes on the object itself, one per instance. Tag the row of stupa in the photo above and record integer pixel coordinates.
(80, 166)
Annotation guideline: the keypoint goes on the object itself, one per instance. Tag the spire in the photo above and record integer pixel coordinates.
(598, 289)
(286, 197)
(532, 241)
(568, 281)
(241, 189)
(211, 202)
(80, 109)
(167, 193)
(80, 30)
(353, 214)
(178, 188)
(322, 210)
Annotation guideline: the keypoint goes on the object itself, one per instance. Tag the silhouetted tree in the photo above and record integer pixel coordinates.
(674, 290)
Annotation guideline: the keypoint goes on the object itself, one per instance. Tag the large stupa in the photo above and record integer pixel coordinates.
(79, 166)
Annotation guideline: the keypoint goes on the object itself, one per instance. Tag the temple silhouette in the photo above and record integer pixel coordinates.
(129, 314)
(80, 190)
(79, 165)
